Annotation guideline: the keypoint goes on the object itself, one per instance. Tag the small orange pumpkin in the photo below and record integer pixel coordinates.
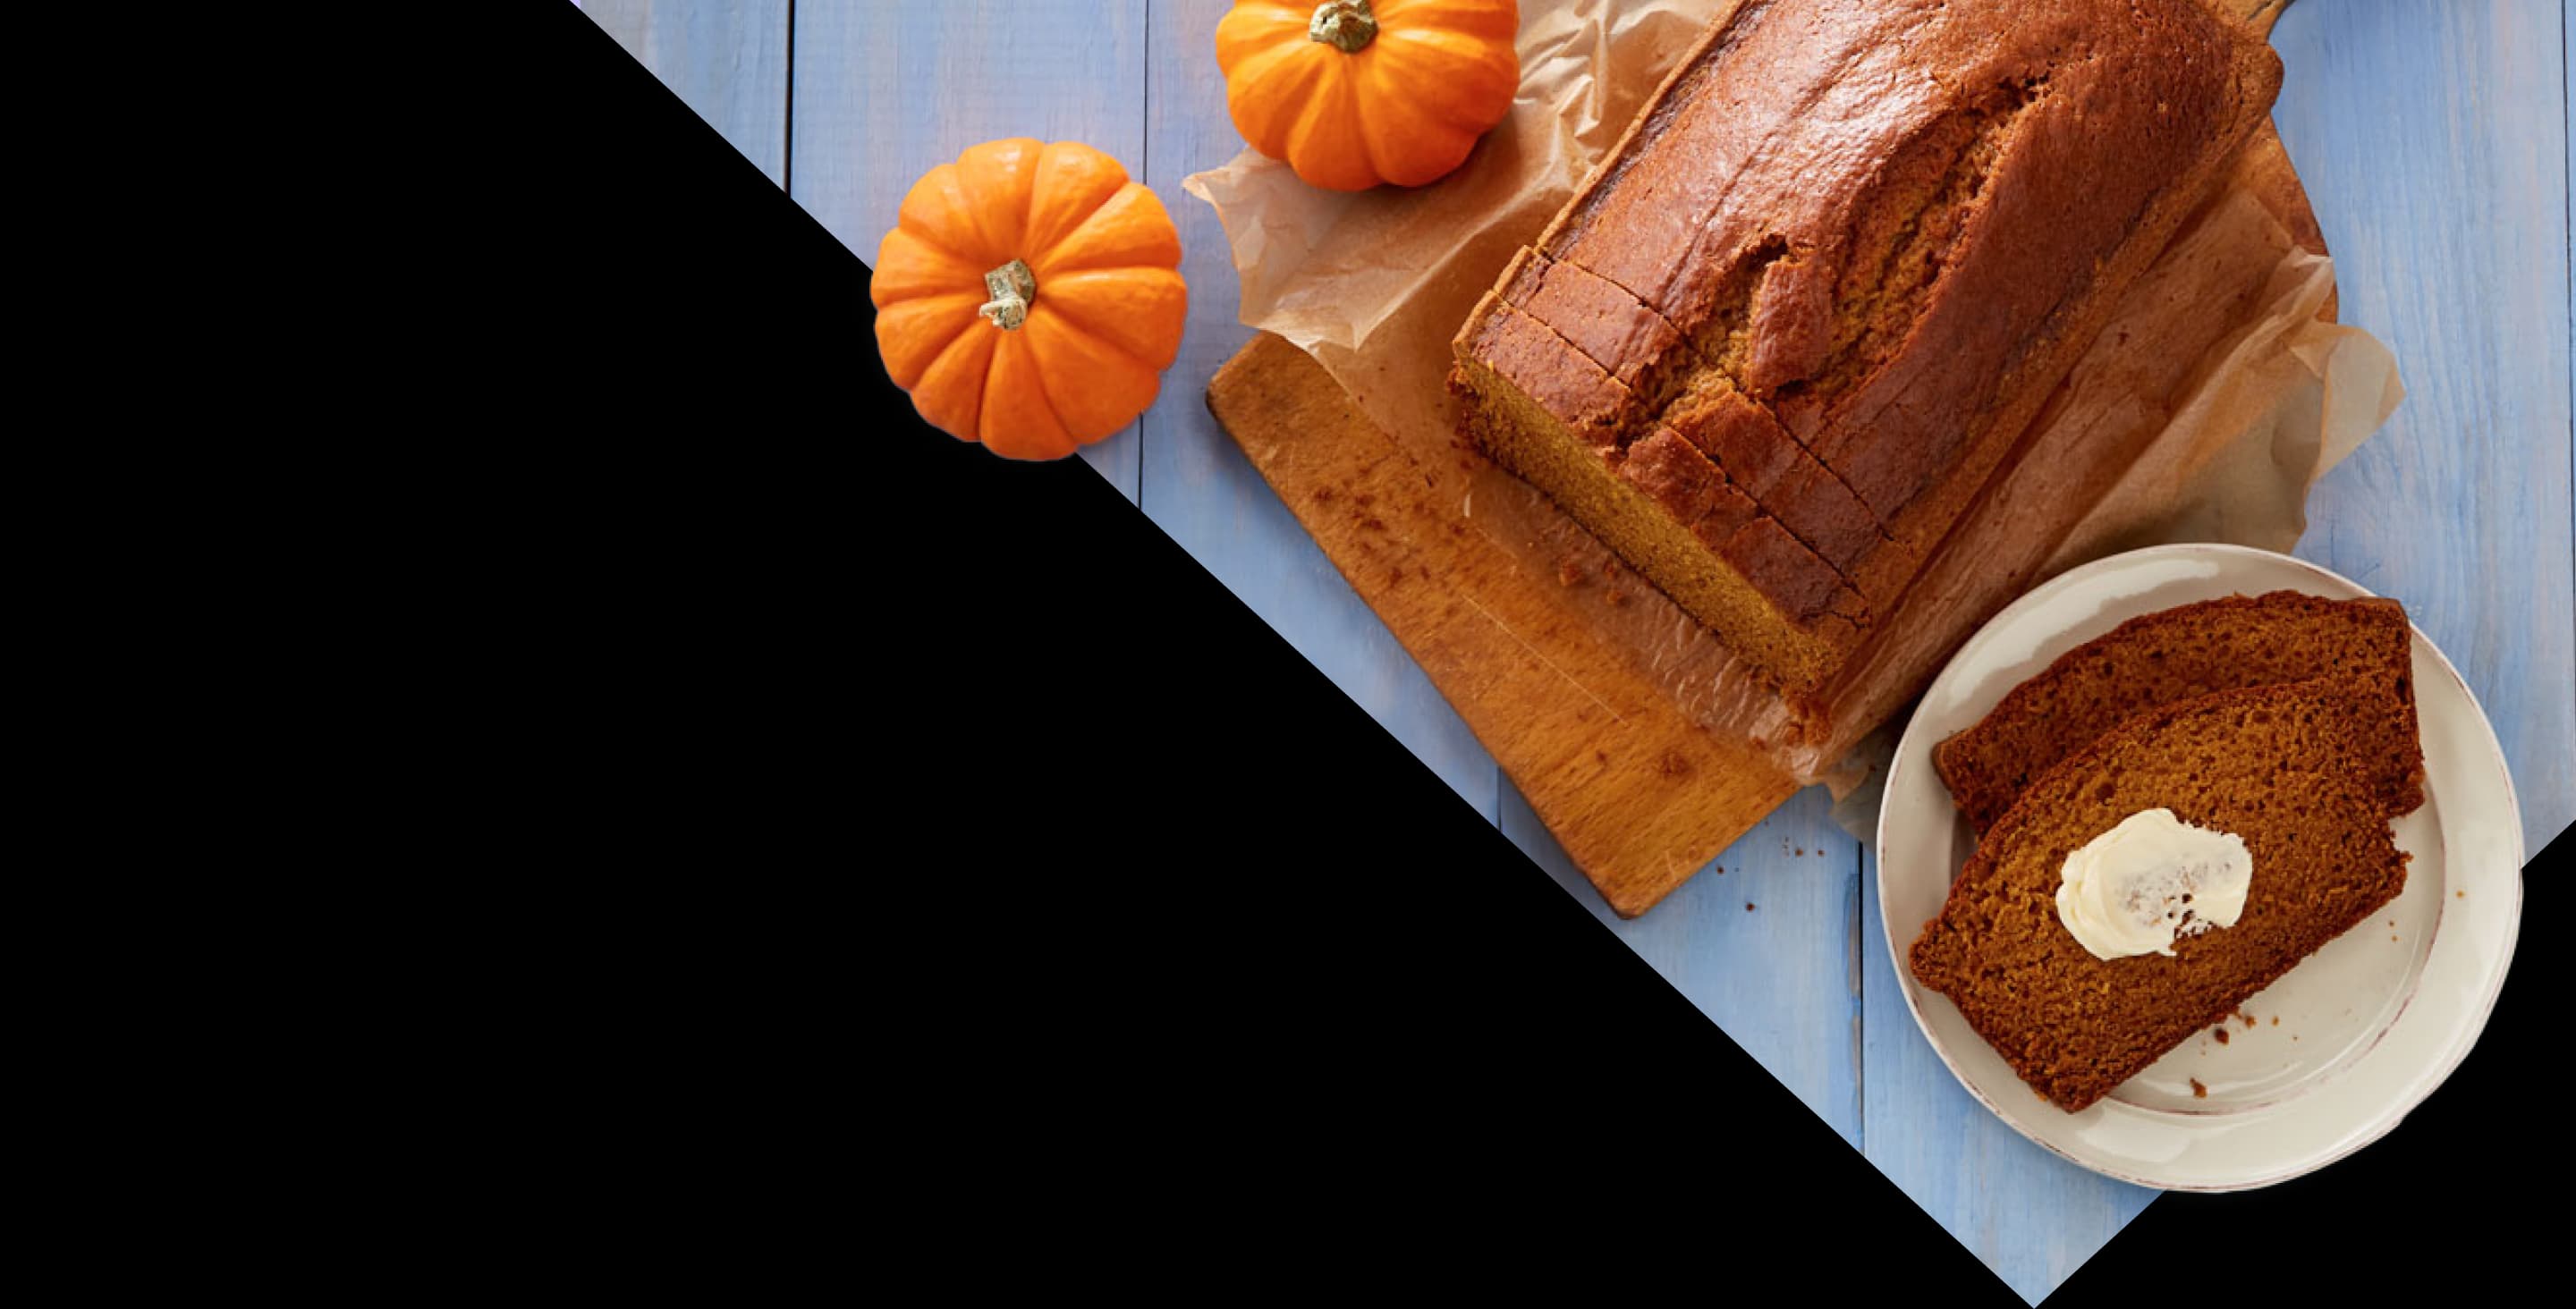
(1029, 297)
(1357, 92)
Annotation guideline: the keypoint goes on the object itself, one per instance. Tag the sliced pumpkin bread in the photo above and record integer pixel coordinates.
(2285, 768)
(2193, 650)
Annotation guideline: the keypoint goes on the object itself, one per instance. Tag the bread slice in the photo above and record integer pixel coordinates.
(2282, 767)
(2194, 650)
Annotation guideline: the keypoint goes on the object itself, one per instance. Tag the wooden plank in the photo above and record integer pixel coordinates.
(1196, 484)
(2032, 1217)
(1765, 944)
(1638, 795)
(2433, 140)
(728, 62)
(884, 93)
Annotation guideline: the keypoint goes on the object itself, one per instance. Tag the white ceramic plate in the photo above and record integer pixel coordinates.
(2342, 1046)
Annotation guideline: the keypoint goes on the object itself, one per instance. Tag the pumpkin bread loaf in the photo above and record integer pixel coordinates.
(2282, 767)
(1830, 276)
(2176, 654)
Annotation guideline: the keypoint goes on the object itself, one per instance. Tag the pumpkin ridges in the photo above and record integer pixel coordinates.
(1364, 106)
(938, 210)
(1268, 93)
(1139, 311)
(1326, 146)
(1131, 230)
(1017, 420)
(950, 394)
(1072, 183)
(1094, 388)
(1026, 296)
(1432, 148)
(909, 266)
(1001, 175)
(1477, 18)
(911, 333)
(1249, 28)
(1379, 138)
(1462, 90)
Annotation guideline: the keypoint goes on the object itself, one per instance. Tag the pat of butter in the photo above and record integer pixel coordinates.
(2136, 888)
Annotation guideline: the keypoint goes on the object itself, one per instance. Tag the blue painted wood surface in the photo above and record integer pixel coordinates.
(726, 61)
(2434, 141)
(1198, 486)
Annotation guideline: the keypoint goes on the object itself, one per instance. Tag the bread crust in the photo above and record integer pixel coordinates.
(2175, 654)
(1890, 227)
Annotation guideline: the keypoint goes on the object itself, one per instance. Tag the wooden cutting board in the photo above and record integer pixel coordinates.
(1639, 796)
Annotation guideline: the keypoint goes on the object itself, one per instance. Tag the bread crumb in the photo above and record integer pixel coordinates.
(2221, 1034)
(2198, 1091)
(2276, 1020)
(1748, 906)
(1617, 596)
(1569, 573)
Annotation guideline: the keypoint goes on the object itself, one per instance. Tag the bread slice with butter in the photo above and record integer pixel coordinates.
(2282, 768)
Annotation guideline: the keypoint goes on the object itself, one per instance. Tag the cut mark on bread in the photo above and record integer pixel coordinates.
(1638, 348)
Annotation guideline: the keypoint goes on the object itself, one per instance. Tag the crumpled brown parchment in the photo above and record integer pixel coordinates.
(2212, 403)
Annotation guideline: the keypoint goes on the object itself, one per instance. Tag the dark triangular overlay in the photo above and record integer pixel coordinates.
(2455, 1201)
(950, 845)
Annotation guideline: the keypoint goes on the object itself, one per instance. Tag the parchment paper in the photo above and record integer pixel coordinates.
(2211, 404)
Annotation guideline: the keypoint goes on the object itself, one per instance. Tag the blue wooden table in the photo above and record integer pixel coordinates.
(2433, 136)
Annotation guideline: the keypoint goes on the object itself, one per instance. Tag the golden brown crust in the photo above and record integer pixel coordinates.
(1604, 322)
(1785, 569)
(1523, 351)
(1890, 227)
(1606, 326)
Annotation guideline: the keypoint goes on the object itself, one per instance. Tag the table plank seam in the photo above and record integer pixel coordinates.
(787, 128)
(1860, 999)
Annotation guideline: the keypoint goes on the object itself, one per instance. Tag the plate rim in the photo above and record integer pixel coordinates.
(2411, 1097)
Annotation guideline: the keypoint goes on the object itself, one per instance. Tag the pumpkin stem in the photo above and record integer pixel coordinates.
(1012, 287)
(1345, 25)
